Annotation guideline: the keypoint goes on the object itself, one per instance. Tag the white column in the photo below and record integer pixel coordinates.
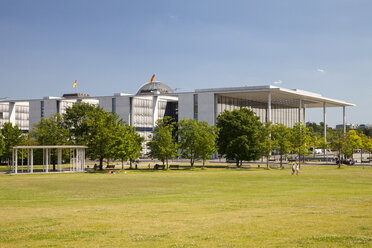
(28, 160)
(32, 160)
(325, 128)
(22, 160)
(304, 114)
(59, 150)
(268, 107)
(46, 160)
(325, 122)
(299, 112)
(16, 161)
(344, 118)
(155, 112)
(12, 112)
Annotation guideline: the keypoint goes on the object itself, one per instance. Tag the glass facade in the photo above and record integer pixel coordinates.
(196, 111)
(279, 113)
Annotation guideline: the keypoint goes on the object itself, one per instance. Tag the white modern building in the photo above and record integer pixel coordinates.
(156, 100)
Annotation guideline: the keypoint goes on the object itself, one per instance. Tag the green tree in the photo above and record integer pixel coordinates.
(102, 128)
(2, 145)
(163, 146)
(338, 142)
(51, 131)
(364, 143)
(300, 139)
(196, 140)
(353, 142)
(76, 120)
(240, 135)
(267, 142)
(282, 140)
(12, 136)
(128, 144)
(206, 142)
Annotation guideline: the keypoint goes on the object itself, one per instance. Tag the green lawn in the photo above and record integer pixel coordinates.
(322, 207)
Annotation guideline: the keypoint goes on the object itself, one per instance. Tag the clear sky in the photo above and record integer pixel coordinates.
(109, 46)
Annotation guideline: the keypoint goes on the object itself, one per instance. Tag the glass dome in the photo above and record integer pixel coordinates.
(154, 88)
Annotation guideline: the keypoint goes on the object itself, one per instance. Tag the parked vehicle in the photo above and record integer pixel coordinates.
(346, 161)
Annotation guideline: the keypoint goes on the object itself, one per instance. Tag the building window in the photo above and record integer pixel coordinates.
(42, 108)
(113, 105)
(1, 115)
(196, 107)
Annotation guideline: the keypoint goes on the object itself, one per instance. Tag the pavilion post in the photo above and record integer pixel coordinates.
(59, 150)
(16, 161)
(32, 160)
(13, 166)
(28, 160)
(47, 160)
(325, 129)
(344, 118)
(22, 159)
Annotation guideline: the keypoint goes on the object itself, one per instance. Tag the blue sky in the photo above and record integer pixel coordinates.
(115, 46)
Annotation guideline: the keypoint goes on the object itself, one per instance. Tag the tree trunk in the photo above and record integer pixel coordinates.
(101, 163)
(281, 160)
(339, 159)
(267, 162)
(237, 163)
(299, 160)
(191, 162)
(122, 164)
(130, 163)
(361, 155)
(203, 162)
(167, 164)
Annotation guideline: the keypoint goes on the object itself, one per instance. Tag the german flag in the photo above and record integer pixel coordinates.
(74, 84)
(152, 78)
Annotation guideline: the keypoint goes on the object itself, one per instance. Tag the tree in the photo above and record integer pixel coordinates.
(300, 139)
(338, 143)
(12, 136)
(51, 131)
(2, 144)
(206, 142)
(240, 135)
(281, 136)
(163, 146)
(267, 142)
(364, 144)
(196, 140)
(353, 141)
(128, 144)
(102, 128)
(75, 119)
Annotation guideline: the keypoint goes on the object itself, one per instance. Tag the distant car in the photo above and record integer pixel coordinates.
(230, 160)
(346, 161)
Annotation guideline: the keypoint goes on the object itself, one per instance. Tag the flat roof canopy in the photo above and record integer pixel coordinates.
(49, 147)
(279, 96)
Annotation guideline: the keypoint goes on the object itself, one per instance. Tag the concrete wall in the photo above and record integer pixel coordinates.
(35, 113)
(206, 107)
(106, 103)
(186, 106)
(123, 107)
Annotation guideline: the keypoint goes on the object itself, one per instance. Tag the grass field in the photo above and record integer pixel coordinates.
(322, 207)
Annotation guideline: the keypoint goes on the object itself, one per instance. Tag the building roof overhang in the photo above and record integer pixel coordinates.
(279, 96)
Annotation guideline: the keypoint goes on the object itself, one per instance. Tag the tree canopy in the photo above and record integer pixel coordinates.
(196, 140)
(163, 145)
(240, 135)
